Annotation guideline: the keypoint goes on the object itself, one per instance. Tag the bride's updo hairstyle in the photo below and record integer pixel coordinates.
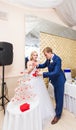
(32, 54)
(47, 49)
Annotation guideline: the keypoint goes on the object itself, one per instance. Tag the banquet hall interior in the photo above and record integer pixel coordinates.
(33, 25)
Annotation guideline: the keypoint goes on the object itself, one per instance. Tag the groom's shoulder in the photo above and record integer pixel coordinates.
(57, 57)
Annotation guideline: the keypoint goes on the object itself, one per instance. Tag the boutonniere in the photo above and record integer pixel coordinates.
(51, 61)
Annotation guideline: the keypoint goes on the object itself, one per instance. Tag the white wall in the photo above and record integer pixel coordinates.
(13, 30)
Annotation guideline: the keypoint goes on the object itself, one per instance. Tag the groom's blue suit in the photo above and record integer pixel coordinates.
(57, 78)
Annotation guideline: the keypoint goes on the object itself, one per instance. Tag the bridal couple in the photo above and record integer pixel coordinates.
(56, 77)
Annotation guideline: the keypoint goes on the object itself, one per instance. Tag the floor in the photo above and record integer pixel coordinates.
(67, 122)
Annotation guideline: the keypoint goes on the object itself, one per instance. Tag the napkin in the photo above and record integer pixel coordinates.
(24, 107)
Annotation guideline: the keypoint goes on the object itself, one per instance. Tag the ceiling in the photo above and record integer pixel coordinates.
(37, 3)
(65, 9)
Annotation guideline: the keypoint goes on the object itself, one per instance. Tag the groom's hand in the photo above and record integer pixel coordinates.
(39, 74)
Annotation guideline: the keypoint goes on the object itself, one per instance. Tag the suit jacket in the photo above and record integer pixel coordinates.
(55, 73)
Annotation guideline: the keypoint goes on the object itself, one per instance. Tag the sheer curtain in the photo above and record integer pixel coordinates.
(67, 12)
(65, 9)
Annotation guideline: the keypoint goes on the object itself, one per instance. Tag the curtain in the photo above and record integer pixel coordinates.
(67, 12)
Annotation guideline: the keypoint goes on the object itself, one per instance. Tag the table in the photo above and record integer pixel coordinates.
(14, 119)
(70, 97)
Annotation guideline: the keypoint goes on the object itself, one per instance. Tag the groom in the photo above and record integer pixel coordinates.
(56, 77)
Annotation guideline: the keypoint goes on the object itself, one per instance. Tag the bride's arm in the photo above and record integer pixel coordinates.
(30, 67)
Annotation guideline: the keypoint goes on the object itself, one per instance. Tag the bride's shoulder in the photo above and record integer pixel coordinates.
(29, 62)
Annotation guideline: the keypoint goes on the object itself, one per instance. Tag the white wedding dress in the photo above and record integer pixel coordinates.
(46, 106)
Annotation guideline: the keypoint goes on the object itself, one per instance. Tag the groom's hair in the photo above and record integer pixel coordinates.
(47, 49)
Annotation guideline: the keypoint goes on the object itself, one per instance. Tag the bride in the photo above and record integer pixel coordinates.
(46, 106)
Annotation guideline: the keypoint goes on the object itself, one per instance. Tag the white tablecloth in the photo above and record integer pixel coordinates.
(14, 119)
(70, 97)
(70, 89)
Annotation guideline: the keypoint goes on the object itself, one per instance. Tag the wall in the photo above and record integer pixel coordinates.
(65, 48)
(12, 30)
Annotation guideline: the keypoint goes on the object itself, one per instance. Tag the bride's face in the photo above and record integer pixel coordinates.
(35, 56)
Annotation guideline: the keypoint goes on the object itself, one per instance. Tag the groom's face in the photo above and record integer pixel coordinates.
(47, 55)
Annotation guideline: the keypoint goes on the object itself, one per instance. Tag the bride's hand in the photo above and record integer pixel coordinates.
(34, 64)
(39, 73)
